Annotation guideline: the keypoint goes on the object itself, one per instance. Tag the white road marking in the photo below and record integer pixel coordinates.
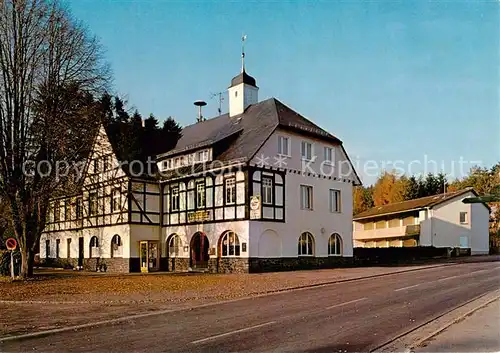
(233, 332)
(447, 278)
(404, 288)
(342, 304)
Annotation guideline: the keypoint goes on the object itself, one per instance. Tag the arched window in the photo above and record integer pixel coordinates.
(335, 245)
(94, 246)
(174, 245)
(306, 244)
(116, 246)
(230, 244)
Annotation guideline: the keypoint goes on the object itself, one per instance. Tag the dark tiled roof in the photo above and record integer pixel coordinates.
(416, 204)
(243, 78)
(249, 130)
(238, 138)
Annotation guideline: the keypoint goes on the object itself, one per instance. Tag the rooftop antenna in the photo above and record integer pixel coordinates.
(243, 39)
(200, 104)
(220, 98)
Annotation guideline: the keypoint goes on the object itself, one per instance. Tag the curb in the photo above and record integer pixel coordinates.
(415, 337)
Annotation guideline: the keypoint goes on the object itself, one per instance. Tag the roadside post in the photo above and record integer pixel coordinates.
(11, 245)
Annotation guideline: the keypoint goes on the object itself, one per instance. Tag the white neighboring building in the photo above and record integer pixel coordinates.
(441, 221)
(260, 188)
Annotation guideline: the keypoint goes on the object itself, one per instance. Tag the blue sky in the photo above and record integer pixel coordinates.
(396, 81)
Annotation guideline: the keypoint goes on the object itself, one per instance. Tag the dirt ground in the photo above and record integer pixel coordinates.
(62, 298)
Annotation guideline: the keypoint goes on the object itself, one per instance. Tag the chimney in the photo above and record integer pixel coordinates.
(200, 104)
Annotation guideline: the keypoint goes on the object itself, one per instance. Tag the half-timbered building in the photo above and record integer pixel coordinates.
(259, 188)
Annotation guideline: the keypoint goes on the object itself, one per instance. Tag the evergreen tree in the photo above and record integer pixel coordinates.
(121, 114)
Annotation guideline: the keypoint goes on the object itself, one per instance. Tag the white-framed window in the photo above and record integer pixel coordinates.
(67, 210)
(230, 244)
(306, 150)
(94, 247)
(306, 244)
(284, 146)
(334, 201)
(267, 190)
(58, 245)
(202, 156)
(57, 211)
(47, 248)
(93, 203)
(177, 162)
(230, 191)
(174, 245)
(116, 246)
(79, 208)
(464, 219)
(174, 204)
(115, 202)
(335, 245)
(306, 197)
(200, 195)
(96, 166)
(329, 155)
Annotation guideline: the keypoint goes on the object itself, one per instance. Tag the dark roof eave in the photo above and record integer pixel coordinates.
(390, 213)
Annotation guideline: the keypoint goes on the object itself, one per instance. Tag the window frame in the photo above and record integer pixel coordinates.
(115, 194)
(336, 243)
(230, 190)
(236, 245)
(118, 250)
(338, 198)
(95, 246)
(93, 201)
(466, 217)
(303, 148)
(267, 188)
(57, 211)
(174, 242)
(58, 248)
(310, 198)
(175, 195)
(282, 139)
(310, 244)
(200, 185)
(331, 160)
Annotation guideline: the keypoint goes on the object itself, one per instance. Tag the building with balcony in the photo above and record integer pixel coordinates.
(439, 221)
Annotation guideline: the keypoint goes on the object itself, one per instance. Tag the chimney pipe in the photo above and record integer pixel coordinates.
(200, 104)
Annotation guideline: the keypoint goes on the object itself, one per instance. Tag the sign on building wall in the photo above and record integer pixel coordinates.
(198, 216)
(255, 207)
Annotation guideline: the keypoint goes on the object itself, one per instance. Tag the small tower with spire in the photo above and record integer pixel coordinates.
(243, 90)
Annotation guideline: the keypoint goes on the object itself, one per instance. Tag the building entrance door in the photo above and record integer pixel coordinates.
(199, 250)
(148, 255)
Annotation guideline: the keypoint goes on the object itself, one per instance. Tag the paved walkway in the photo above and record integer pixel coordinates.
(479, 332)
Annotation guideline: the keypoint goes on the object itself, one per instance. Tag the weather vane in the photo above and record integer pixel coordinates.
(243, 39)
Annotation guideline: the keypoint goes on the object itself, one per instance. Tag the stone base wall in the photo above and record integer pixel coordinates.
(215, 265)
(298, 263)
(175, 264)
(228, 265)
(115, 265)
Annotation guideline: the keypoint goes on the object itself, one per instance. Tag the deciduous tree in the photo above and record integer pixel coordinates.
(51, 68)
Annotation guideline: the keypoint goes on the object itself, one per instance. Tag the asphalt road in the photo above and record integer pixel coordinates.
(345, 317)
